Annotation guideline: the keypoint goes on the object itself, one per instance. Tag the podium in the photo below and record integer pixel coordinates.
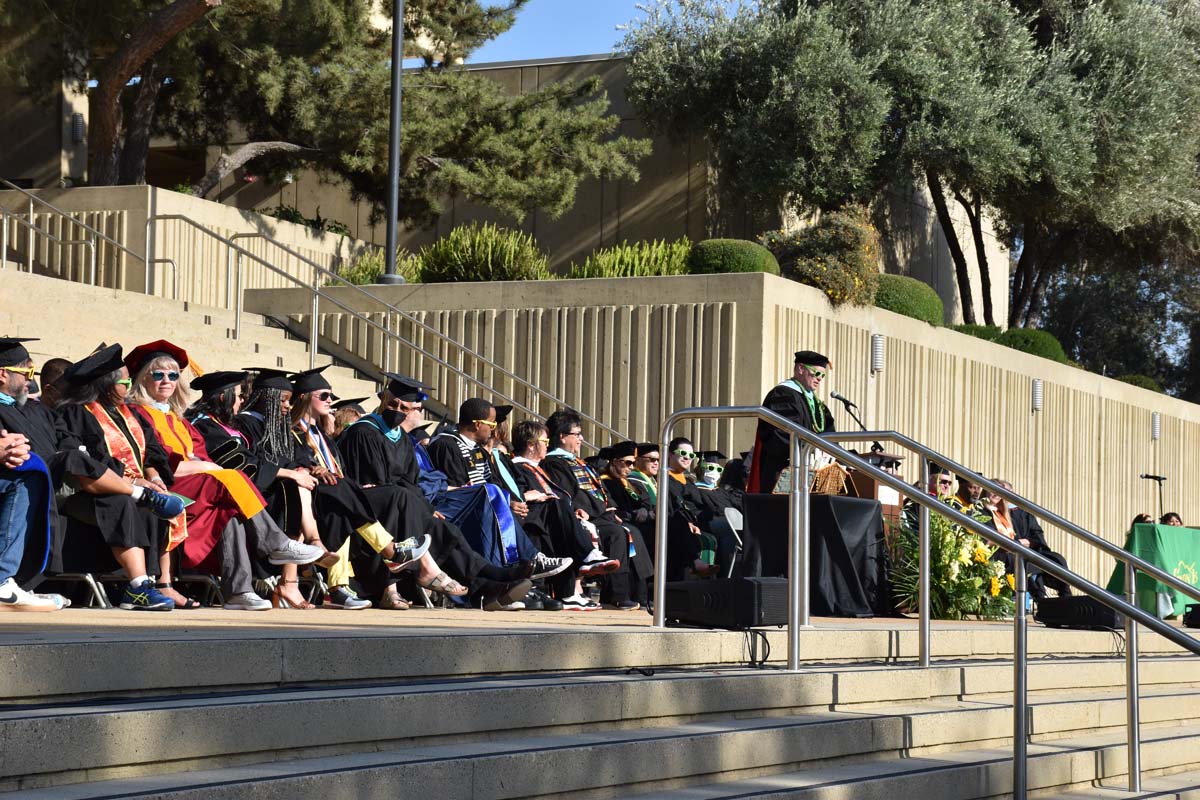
(866, 487)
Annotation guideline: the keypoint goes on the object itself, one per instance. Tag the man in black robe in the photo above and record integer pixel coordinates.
(795, 399)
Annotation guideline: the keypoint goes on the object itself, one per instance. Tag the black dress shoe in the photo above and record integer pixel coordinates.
(496, 595)
(538, 600)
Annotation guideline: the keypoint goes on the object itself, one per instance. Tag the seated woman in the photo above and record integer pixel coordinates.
(227, 517)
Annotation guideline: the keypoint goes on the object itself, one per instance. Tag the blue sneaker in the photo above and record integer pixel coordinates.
(161, 504)
(144, 597)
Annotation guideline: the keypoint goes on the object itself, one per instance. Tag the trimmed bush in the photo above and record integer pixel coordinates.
(986, 332)
(636, 260)
(1144, 381)
(485, 252)
(369, 265)
(910, 297)
(840, 255)
(1029, 340)
(714, 256)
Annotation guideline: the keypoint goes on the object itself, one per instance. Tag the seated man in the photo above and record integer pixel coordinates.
(1017, 523)
(22, 491)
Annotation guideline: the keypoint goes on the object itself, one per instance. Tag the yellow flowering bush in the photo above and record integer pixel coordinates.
(840, 255)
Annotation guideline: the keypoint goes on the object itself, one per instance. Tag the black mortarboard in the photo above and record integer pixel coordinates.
(268, 378)
(143, 354)
(212, 382)
(644, 448)
(310, 380)
(419, 435)
(405, 388)
(811, 358)
(350, 402)
(502, 413)
(12, 350)
(97, 365)
(711, 456)
(473, 408)
(620, 450)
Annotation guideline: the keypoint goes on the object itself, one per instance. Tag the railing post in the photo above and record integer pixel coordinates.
(312, 325)
(1132, 690)
(29, 237)
(798, 608)
(1020, 658)
(3, 239)
(660, 535)
(93, 246)
(229, 276)
(237, 300)
(923, 634)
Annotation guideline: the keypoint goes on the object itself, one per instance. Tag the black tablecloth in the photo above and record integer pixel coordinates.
(848, 563)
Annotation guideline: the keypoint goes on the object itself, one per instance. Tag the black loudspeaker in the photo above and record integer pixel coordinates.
(1078, 611)
(732, 603)
(1191, 615)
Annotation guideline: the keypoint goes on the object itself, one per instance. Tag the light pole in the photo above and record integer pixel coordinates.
(393, 205)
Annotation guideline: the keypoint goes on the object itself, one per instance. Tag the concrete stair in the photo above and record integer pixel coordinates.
(366, 712)
(72, 318)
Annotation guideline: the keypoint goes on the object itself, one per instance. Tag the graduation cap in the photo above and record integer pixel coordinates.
(310, 380)
(213, 382)
(619, 450)
(143, 354)
(502, 413)
(12, 350)
(268, 378)
(646, 448)
(405, 388)
(473, 408)
(811, 358)
(351, 402)
(97, 365)
(711, 456)
(420, 435)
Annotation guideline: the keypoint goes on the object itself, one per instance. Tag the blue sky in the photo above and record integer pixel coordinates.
(548, 28)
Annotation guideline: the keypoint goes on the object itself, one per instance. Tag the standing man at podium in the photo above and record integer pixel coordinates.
(795, 399)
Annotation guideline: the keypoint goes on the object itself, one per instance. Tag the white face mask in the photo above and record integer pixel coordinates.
(712, 476)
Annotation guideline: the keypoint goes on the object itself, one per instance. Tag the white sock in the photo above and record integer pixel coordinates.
(138, 581)
(138, 491)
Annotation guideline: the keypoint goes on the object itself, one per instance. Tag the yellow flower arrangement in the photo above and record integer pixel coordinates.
(1012, 582)
(981, 554)
(995, 587)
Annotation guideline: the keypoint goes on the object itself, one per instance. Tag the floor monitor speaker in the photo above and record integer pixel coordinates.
(1078, 611)
(733, 603)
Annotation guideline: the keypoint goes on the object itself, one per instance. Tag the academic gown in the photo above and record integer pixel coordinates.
(772, 445)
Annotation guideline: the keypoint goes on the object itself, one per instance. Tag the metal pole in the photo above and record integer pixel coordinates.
(229, 276)
(237, 300)
(3, 239)
(29, 237)
(1132, 713)
(312, 325)
(92, 244)
(923, 634)
(393, 203)
(1020, 656)
(660, 534)
(797, 550)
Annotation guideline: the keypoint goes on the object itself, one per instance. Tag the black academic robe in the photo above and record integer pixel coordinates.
(234, 452)
(771, 445)
(446, 456)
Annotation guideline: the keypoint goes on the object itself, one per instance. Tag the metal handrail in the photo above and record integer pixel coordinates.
(174, 275)
(318, 295)
(412, 318)
(802, 440)
(34, 229)
(1078, 532)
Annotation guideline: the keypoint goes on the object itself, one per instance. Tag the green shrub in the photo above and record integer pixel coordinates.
(635, 260)
(485, 252)
(317, 223)
(1029, 340)
(986, 332)
(1144, 381)
(910, 297)
(714, 256)
(366, 268)
(840, 255)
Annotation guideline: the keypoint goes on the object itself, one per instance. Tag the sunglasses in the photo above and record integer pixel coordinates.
(159, 375)
(490, 423)
(26, 371)
(945, 483)
(126, 382)
(684, 453)
(713, 468)
(816, 373)
(651, 460)
(544, 439)
(624, 462)
(324, 395)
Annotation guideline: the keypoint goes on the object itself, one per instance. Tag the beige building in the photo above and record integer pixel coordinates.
(670, 200)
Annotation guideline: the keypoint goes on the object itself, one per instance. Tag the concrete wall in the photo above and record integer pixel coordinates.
(654, 345)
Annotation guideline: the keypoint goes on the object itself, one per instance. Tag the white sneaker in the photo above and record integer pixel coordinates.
(579, 602)
(14, 598)
(246, 601)
(596, 563)
(295, 552)
(518, 605)
(544, 566)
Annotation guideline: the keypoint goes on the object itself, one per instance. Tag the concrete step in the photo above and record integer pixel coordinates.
(209, 730)
(71, 318)
(826, 754)
(1182, 785)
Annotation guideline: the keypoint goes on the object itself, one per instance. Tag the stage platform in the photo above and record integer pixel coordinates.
(448, 704)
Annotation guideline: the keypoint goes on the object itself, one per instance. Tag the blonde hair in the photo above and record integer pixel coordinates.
(179, 400)
(342, 419)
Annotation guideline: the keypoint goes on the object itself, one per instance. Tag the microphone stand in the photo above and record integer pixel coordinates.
(876, 447)
(1159, 480)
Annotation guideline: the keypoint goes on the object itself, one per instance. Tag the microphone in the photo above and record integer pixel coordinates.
(845, 400)
(1153, 477)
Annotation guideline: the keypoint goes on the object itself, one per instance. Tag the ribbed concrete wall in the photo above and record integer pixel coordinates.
(631, 351)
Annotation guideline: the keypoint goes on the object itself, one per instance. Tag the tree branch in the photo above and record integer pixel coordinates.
(242, 156)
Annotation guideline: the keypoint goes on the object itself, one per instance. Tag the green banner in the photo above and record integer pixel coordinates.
(1171, 548)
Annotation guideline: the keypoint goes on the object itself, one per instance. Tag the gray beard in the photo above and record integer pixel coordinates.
(21, 397)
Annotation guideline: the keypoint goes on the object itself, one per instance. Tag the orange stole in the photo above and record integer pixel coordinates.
(176, 439)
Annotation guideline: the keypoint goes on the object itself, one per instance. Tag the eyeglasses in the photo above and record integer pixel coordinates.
(684, 453)
(573, 433)
(324, 396)
(713, 468)
(544, 439)
(488, 422)
(624, 462)
(816, 373)
(159, 375)
(651, 460)
(26, 371)
(126, 382)
(945, 483)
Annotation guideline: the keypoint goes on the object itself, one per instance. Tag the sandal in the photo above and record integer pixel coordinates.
(188, 603)
(444, 584)
(392, 601)
(279, 601)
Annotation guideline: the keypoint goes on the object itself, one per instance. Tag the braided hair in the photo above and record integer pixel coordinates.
(277, 442)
